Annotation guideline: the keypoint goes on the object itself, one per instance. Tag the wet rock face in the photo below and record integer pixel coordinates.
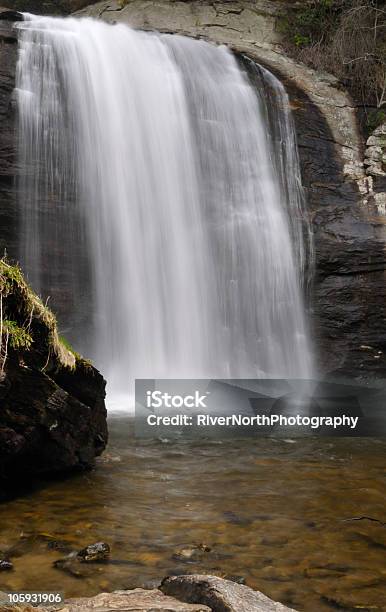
(45, 428)
(347, 306)
(8, 57)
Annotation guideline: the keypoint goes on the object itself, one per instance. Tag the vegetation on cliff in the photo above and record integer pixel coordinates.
(347, 38)
(23, 316)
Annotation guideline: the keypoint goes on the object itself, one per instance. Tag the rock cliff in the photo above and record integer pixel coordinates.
(45, 7)
(346, 202)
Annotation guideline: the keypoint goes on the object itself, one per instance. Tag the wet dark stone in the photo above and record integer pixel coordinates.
(71, 566)
(191, 554)
(45, 429)
(5, 565)
(9, 15)
(346, 303)
(79, 565)
(94, 553)
(234, 519)
(59, 545)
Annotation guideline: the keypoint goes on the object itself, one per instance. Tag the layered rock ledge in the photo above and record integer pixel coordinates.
(52, 409)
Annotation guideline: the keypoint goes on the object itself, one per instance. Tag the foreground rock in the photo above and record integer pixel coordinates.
(191, 593)
(131, 601)
(220, 595)
(52, 411)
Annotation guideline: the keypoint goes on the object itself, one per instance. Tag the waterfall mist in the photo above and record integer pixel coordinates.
(160, 195)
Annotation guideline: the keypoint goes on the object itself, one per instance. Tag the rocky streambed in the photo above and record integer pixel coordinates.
(302, 521)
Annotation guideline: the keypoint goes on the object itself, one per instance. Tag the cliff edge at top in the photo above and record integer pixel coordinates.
(45, 7)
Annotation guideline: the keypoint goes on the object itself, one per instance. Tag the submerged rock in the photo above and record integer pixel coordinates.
(191, 554)
(71, 566)
(5, 565)
(52, 410)
(75, 563)
(94, 552)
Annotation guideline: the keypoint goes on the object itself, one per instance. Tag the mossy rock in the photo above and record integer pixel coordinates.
(25, 319)
(52, 409)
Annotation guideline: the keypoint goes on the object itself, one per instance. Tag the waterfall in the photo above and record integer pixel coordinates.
(161, 204)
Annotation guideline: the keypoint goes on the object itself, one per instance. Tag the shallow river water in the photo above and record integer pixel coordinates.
(303, 521)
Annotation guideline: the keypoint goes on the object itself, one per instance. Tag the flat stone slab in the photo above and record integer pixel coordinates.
(219, 594)
(130, 601)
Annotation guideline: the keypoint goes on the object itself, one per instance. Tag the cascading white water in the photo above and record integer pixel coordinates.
(152, 154)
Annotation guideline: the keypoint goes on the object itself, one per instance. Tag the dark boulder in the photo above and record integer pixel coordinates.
(52, 410)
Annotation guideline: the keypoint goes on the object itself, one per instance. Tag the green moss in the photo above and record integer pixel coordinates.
(300, 40)
(18, 337)
(27, 308)
(12, 274)
(67, 345)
